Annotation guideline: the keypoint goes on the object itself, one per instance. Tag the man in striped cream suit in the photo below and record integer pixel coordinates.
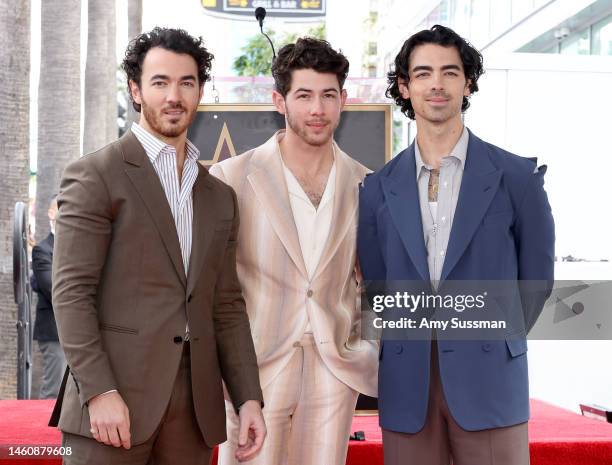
(297, 195)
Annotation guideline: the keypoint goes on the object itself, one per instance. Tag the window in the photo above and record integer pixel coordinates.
(552, 49)
(500, 16)
(601, 37)
(578, 44)
(480, 27)
(520, 9)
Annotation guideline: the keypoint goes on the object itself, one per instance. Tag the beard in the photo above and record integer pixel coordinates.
(168, 127)
(439, 115)
(307, 134)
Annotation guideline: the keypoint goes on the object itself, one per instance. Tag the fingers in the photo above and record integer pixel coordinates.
(243, 432)
(256, 436)
(252, 430)
(124, 435)
(260, 435)
(113, 437)
(248, 451)
(102, 434)
(110, 420)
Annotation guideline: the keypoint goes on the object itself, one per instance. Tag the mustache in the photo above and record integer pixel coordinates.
(174, 106)
(439, 94)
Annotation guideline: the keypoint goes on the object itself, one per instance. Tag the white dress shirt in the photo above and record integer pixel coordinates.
(178, 192)
(312, 224)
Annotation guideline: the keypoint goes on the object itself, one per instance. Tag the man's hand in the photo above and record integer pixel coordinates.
(110, 420)
(252, 430)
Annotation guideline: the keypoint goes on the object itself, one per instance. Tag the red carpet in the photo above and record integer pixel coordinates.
(556, 436)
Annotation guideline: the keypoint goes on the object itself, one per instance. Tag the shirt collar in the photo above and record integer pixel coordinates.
(294, 187)
(154, 146)
(459, 152)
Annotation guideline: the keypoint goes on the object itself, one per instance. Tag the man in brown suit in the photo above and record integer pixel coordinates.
(149, 308)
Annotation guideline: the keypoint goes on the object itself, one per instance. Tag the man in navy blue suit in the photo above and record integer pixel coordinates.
(453, 209)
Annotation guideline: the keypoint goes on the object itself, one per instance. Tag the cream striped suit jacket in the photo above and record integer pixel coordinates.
(279, 295)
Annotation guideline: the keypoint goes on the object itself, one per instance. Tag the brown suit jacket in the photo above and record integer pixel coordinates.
(122, 299)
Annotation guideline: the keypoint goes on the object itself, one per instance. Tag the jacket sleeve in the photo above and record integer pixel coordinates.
(83, 233)
(535, 243)
(237, 357)
(371, 260)
(41, 267)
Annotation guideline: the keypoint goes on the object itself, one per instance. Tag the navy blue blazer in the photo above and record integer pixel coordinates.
(503, 230)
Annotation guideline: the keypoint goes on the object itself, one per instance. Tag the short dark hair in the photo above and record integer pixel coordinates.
(440, 35)
(307, 53)
(174, 40)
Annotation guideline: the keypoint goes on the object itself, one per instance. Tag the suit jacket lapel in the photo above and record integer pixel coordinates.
(344, 207)
(142, 174)
(478, 187)
(202, 228)
(268, 182)
(402, 198)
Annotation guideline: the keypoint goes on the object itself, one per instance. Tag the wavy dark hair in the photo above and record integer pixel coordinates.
(174, 40)
(440, 35)
(307, 53)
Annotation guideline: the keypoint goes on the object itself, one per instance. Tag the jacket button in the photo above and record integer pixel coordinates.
(177, 339)
(189, 298)
(309, 293)
(399, 348)
(486, 347)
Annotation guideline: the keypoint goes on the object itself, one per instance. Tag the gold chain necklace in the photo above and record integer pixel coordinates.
(434, 182)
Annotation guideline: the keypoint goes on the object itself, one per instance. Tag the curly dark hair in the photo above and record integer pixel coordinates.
(440, 35)
(307, 53)
(174, 40)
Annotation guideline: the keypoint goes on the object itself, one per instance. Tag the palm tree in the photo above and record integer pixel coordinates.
(134, 18)
(100, 117)
(14, 165)
(134, 28)
(112, 128)
(59, 100)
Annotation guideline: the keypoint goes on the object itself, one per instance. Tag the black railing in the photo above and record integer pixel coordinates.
(23, 299)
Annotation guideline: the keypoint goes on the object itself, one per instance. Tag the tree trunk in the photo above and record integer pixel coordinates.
(112, 129)
(14, 166)
(134, 28)
(100, 118)
(59, 100)
(134, 18)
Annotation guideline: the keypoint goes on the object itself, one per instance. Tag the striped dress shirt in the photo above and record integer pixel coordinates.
(438, 221)
(178, 192)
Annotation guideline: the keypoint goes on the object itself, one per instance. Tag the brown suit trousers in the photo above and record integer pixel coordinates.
(442, 441)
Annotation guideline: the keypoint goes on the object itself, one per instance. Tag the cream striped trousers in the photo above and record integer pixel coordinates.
(308, 414)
